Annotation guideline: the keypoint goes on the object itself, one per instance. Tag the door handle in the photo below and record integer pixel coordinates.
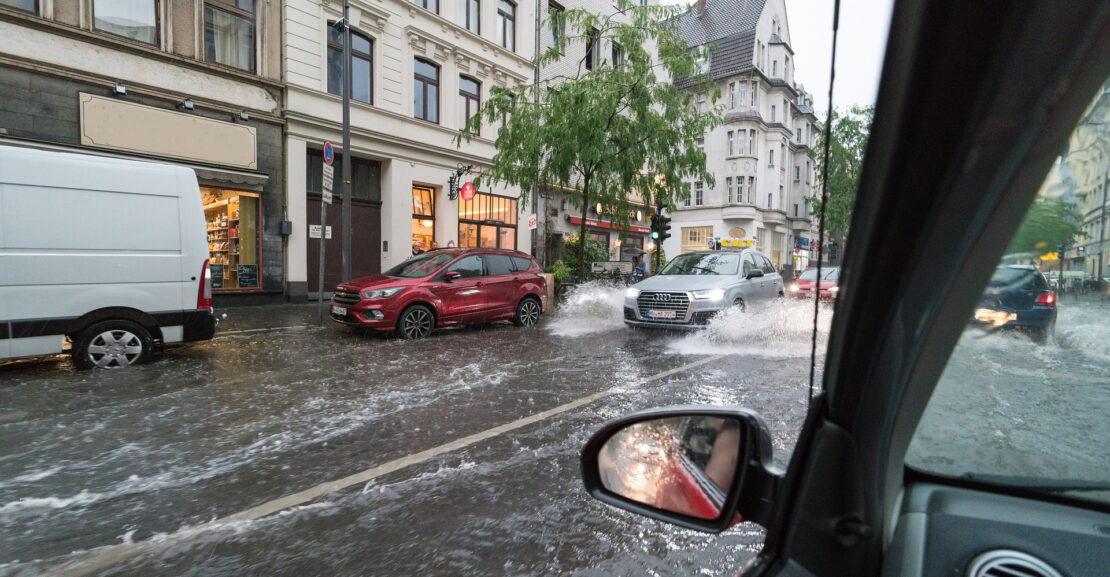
(479, 284)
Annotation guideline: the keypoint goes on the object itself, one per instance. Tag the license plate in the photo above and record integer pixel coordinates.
(342, 311)
(662, 314)
(995, 318)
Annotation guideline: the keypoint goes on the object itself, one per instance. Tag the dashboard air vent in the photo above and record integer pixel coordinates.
(1004, 563)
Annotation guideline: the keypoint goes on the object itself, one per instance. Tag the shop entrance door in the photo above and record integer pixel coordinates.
(366, 241)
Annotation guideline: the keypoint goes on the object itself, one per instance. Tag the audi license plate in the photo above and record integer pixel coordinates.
(662, 314)
(341, 311)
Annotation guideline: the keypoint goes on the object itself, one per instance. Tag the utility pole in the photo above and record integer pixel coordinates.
(347, 157)
(539, 237)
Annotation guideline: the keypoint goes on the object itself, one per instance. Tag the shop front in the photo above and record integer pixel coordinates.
(234, 238)
(616, 240)
(487, 221)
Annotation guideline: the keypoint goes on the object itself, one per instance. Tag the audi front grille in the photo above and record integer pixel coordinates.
(664, 301)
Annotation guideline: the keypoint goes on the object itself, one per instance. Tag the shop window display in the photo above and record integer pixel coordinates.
(233, 219)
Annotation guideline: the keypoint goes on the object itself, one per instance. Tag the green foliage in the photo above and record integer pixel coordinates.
(595, 252)
(1047, 225)
(560, 271)
(613, 134)
(850, 133)
(662, 258)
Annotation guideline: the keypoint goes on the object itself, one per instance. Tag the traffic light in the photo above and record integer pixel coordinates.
(656, 221)
(664, 228)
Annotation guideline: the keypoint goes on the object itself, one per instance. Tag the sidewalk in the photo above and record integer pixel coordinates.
(256, 317)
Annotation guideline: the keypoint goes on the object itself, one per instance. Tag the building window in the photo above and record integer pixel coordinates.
(425, 91)
(741, 93)
(731, 143)
(795, 209)
(739, 189)
(769, 199)
(487, 221)
(423, 218)
(701, 103)
(432, 5)
(771, 157)
(229, 33)
(506, 24)
(751, 189)
(807, 172)
(505, 114)
(234, 236)
(728, 188)
(751, 143)
(772, 113)
(755, 93)
(774, 69)
(618, 55)
(469, 100)
(696, 237)
(591, 47)
(700, 143)
(362, 62)
(782, 197)
(468, 15)
(28, 5)
(797, 173)
(132, 19)
(698, 193)
(731, 95)
(556, 30)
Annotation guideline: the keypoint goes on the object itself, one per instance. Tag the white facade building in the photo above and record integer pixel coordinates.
(419, 70)
(759, 155)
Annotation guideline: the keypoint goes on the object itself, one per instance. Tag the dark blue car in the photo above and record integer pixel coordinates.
(1018, 298)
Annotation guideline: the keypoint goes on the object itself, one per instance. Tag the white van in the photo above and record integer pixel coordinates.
(109, 254)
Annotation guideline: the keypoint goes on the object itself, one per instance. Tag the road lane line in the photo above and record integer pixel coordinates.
(112, 555)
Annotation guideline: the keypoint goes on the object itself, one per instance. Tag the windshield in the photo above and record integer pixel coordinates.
(827, 274)
(421, 265)
(717, 263)
(1023, 400)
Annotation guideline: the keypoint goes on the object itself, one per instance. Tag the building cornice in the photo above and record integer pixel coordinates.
(433, 47)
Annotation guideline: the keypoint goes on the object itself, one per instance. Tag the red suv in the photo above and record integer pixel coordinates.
(443, 288)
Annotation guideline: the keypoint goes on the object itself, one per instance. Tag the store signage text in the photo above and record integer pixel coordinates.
(603, 224)
(314, 231)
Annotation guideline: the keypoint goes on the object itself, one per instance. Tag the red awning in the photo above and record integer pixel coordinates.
(605, 224)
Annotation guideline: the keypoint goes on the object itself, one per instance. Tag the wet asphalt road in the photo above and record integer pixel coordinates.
(137, 457)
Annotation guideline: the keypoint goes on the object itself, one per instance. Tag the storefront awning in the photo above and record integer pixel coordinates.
(222, 176)
(606, 224)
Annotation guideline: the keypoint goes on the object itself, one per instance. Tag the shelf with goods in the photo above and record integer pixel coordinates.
(232, 238)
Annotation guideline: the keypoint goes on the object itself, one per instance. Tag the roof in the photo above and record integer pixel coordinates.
(719, 19)
(731, 25)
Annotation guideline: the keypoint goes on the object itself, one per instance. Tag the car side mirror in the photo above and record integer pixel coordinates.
(452, 275)
(699, 467)
(756, 273)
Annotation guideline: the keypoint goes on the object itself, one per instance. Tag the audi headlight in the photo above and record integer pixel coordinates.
(794, 288)
(710, 295)
(381, 293)
(632, 293)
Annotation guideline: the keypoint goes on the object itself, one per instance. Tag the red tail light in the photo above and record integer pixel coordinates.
(204, 291)
(1047, 299)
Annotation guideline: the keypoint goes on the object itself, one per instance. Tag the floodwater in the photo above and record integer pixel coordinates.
(117, 472)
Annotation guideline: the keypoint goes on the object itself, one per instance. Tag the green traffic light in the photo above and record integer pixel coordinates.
(655, 235)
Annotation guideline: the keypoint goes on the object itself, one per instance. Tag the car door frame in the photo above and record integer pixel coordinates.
(958, 150)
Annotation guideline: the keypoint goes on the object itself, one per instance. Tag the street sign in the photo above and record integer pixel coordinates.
(532, 222)
(468, 191)
(329, 173)
(329, 154)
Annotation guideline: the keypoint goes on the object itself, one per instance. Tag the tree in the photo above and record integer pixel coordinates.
(850, 133)
(1046, 227)
(613, 131)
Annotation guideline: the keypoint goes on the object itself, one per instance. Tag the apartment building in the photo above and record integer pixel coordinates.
(759, 155)
(420, 70)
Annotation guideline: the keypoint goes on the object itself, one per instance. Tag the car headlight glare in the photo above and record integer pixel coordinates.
(794, 287)
(381, 293)
(710, 294)
(834, 289)
(632, 293)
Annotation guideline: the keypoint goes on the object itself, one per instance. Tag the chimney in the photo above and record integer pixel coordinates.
(699, 7)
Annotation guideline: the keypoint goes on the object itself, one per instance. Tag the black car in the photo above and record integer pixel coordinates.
(1018, 298)
(930, 449)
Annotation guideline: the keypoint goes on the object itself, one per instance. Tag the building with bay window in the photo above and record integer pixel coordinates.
(759, 155)
(420, 70)
(191, 82)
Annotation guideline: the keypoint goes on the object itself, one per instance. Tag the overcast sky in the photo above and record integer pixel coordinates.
(861, 41)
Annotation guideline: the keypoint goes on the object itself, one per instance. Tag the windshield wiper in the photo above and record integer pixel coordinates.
(708, 270)
(1038, 483)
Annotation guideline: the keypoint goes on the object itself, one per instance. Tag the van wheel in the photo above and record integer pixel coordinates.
(415, 323)
(112, 345)
(527, 312)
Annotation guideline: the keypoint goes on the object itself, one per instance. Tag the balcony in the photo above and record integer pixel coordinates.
(774, 217)
(742, 211)
(800, 224)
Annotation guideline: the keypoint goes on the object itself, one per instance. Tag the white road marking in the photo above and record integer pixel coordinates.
(113, 555)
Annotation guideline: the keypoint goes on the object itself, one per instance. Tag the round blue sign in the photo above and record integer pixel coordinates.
(329, 154)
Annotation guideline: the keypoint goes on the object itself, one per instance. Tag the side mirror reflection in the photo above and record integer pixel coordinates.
(682, 465)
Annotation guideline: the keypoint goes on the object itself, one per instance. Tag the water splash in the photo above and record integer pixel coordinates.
(776, 330)
(593, 307)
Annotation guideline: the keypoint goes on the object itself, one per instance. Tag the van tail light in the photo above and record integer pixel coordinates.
(204, 291)
(1047, 298)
